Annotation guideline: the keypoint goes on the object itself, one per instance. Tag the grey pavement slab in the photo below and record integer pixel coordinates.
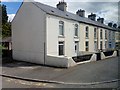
(103, 70)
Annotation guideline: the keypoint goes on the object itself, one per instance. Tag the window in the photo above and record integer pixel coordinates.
(87, 32)
(101, 45)
(95, 45)
(113, 35)
(101, 34)
(61, 28)
(110, 45)
(87, 46)
(109, 35)
(106, 44)
(76, 30)
(61, 48)
(105, 34)
(95, 33)
(76, 46)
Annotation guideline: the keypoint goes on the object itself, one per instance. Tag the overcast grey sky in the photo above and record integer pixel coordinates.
(107, 9)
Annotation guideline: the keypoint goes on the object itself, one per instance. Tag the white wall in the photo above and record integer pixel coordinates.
(82, 37)
(53, 38)
(28, 29)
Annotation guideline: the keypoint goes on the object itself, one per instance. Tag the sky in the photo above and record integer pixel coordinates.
(107, 9)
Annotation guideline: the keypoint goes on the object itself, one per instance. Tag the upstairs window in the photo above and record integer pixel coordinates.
(87, 32)
(105, 34)
(61, 28)
(113, 35)
(95, 33)
(76, 30)
(101, 36)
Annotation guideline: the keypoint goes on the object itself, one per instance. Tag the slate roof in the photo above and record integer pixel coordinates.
(64, 14)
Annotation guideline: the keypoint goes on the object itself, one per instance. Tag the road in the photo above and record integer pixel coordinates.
(16, 83)
(103, 70)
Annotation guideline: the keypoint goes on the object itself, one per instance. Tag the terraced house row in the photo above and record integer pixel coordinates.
(52, 36)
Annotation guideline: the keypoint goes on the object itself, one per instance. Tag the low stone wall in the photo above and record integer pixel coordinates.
(85, 58)
(59, 61)
(108, 54)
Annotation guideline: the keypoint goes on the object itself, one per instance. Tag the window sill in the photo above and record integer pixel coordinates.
(61, 55)
(76, 37)
(60, 36)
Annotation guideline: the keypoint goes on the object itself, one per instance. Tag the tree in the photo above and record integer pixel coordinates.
(6, 26)
(4, 14)
(6, 29)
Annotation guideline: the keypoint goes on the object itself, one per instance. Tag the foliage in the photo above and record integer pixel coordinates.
(6, 29)
(6, 26)
(4, 15)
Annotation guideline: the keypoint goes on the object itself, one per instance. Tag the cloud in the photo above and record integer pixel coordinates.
(107, 9)
(11, 0)
(10, 17)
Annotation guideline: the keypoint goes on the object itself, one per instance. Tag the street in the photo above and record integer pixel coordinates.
(75, 77)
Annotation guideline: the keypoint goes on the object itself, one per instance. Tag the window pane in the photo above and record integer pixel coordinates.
(101, 34)
(61, 28)
(87, 45)
(100, 44)
(87, 32)
(105, 34)
(95, 33)
(76, 30)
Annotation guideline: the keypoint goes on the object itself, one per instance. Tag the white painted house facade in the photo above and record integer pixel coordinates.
(52, 36)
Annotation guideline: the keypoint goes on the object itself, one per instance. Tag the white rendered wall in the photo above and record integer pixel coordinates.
(53, 38)
(82, 37)
(28, 29)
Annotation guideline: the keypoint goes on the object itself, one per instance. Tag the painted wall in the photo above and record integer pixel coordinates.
(111, 39)
(52, 28)
(69, 39)
(28, 31)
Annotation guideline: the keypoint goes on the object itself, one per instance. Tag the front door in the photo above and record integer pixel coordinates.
(76, 48)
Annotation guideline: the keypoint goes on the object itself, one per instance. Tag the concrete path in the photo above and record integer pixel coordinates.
(99, 71)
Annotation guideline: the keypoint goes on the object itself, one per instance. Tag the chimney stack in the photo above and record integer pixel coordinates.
(81, 13)
(115, 25)
(92, 17)
(101, 20)
(110, 24)
(62, 6)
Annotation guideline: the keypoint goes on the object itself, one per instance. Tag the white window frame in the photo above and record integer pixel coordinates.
(87, 46)
(76, 30)
(87, 32)
(101, 45)
(76, 46)
(61, 43)
(101, 34)
(106, 44)
(95, 45)
(105, 34)
(61, 28)
(95, 33)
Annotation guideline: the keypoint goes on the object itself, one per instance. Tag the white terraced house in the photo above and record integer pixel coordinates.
(52, 36)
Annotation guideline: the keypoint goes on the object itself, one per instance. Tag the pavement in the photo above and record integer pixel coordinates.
(89, 73)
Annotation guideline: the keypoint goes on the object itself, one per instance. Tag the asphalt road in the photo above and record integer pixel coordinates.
(16, 83)
(103, 70)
